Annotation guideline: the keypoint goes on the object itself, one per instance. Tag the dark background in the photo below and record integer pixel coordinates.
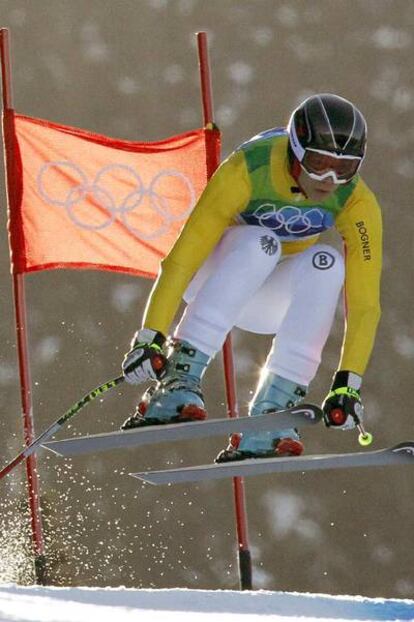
(128, 69)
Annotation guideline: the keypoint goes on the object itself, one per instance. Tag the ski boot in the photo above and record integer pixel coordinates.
(273, 393)
(176, 398)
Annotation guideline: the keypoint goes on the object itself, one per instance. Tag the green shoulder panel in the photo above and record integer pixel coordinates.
(257, 155)
(344, 191)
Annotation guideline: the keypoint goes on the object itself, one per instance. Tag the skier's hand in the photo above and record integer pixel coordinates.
(145, 360)
(342, 407)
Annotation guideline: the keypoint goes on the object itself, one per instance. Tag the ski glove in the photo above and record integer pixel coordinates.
(342, 407)
(145, 360)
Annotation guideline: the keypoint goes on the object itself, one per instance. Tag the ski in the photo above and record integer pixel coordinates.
(298, 416)
(403, 453)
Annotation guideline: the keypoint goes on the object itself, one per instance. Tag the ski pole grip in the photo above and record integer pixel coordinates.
(337, 416)
(158, 364)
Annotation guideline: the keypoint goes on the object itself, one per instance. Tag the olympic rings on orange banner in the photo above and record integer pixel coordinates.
(99, 191)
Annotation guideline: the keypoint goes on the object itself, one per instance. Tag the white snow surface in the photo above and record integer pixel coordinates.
(52, 604)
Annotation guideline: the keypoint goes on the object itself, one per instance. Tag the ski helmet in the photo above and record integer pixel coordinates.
(327, 137)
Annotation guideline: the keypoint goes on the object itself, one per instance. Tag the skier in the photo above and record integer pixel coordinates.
(250, 256)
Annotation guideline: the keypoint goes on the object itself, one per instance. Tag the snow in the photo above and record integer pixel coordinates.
(50, 604)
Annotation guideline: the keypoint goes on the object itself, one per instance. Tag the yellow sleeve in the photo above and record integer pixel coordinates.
(225, 195)
(360, 225)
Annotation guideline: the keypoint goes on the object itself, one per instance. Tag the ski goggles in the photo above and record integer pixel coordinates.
(322, 165)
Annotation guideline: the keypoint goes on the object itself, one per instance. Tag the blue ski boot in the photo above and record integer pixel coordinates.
(177, 397)
(273, 393)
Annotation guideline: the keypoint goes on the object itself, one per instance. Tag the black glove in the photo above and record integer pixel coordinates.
(342, 407)
(145, 360)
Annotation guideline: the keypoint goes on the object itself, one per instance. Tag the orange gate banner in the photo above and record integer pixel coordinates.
(82, 200)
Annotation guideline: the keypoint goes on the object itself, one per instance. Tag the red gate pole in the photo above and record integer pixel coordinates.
(21, 325)
(245, 565)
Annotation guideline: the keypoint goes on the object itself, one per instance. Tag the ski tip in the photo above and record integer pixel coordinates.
(406, 446)
(309, 411)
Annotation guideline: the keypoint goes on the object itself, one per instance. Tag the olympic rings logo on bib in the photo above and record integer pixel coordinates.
(290, 220)
(117, 192)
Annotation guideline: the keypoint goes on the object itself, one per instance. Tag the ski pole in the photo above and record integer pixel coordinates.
(338, 417)
(158, 362)
(52, 429)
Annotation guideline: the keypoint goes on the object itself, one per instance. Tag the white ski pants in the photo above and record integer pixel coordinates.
(246, 283)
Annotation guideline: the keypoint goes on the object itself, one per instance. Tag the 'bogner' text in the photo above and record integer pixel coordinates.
(363, 234)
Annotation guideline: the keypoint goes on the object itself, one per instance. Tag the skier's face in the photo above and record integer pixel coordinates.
(316, 190)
